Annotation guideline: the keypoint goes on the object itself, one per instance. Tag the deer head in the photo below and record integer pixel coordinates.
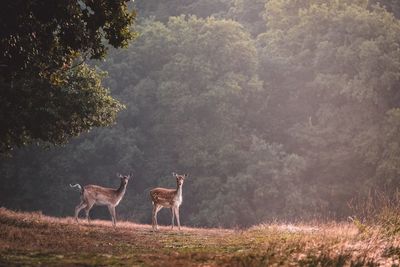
(179, 178)
(124, 178)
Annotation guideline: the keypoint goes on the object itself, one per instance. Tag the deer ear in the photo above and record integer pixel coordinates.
(174, 174)
(119, 175)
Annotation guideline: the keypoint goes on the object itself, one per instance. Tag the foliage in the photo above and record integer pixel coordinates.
(250, 14)
(392, 6)
(76, 103)
(41, 44)
(200, 8)
(337, 81)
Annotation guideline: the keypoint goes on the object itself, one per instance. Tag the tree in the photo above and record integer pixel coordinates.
(42, 44)
(333, 67)
(250, 14)
(161, 11)
(390, 5)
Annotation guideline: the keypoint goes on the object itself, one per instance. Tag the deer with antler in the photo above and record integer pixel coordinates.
(167, 198)
(97, 195)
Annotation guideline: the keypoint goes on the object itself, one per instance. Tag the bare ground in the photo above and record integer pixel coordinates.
(33, 239)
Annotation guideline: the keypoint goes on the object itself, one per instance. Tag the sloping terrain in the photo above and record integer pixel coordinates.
(35, 239)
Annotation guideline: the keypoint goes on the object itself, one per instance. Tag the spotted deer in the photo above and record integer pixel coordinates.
(167, 198)
(98, 195)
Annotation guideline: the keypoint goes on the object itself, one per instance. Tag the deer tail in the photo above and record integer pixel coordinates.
(77, 185)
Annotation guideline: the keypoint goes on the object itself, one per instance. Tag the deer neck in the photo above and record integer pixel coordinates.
(179, 191)
(122, 188)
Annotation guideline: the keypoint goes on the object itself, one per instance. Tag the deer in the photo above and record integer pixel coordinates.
(167, 198)
(97, 195)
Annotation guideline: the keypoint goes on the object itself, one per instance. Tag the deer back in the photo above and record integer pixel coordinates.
(101, 195)
(163, 195)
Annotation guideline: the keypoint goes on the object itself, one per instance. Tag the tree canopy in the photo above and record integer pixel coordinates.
(46, 95)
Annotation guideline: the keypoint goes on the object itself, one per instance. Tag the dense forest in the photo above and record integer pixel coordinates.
(276, 109)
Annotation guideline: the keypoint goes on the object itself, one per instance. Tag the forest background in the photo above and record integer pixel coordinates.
(277, 110)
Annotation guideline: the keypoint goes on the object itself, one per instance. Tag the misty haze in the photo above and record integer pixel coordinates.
(266, 131)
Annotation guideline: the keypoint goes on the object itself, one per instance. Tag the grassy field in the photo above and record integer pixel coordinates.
(34, 239)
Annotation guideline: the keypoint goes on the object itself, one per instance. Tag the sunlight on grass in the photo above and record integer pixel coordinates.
(36, 239)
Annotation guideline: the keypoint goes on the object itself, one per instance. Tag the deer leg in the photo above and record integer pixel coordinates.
(78, 208)
(115, 216)
(177, 217)
(87, 210)
(156, 209)
(111, 209)
(173, 213)
(153, 214)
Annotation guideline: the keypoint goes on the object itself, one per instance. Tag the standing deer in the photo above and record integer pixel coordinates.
(98, 195)
(168, 198)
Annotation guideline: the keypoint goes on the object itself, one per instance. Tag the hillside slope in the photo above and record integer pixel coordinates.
(35, 239)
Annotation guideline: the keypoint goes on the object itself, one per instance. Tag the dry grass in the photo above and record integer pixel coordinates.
(34, 239)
